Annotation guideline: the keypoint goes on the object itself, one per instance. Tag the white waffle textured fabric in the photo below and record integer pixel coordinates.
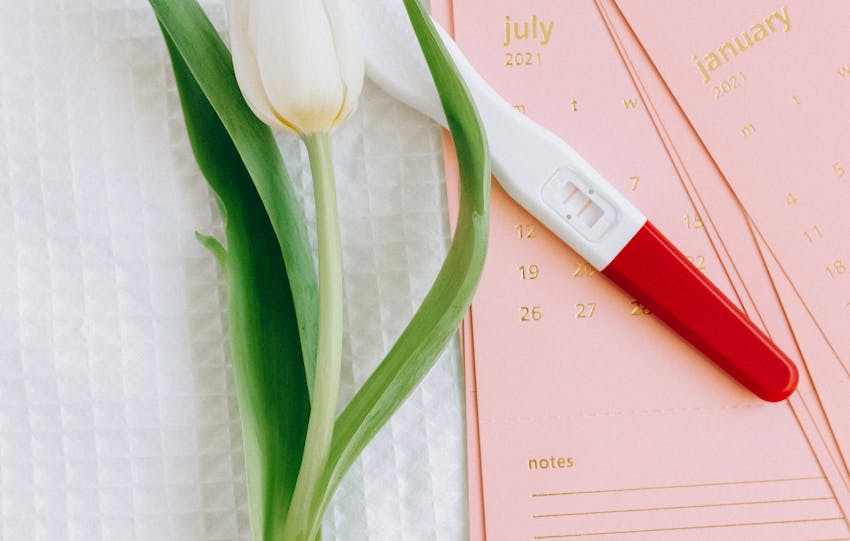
(118, 418)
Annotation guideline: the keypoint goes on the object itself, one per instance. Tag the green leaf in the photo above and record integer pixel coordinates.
(269, 372)
(443, 309)
(215, 248)
(208, 60)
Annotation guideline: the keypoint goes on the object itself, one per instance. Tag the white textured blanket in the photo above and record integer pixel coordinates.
(118, 417)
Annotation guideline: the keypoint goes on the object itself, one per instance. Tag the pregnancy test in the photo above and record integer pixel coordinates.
(566, 194)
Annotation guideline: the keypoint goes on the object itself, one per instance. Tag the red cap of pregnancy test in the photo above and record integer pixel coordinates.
(652, 270)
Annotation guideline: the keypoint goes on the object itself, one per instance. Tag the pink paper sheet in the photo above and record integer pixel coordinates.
(727, 223)
(774, 117)
(594, 421)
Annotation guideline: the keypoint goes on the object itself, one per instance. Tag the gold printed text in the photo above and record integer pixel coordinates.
(728, 50)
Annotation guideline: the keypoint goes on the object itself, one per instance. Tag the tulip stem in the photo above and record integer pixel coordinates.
(326, 386)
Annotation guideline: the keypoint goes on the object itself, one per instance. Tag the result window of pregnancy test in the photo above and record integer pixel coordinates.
(575, 201)
(660, 443)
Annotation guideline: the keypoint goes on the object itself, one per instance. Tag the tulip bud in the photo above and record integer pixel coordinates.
(299, 63)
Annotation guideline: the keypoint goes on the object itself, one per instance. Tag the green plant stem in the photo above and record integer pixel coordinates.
(443, 308)
(329, 353)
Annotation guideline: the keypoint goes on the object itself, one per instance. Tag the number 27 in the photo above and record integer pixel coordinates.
(585, 310)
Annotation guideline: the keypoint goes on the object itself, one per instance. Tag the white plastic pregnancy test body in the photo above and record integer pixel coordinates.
(558, 187)
(537, 169)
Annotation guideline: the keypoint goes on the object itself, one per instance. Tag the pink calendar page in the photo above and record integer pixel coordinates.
(824, 384)
(766, 85)
(831, 385)
(593, 419)
(823, 364)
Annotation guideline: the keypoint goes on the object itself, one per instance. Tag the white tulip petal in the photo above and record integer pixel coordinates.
(346, 26)
(245, 63)
(298, 63)
(253, 8)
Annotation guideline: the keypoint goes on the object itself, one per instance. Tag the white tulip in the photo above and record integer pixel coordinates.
(299, 63)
